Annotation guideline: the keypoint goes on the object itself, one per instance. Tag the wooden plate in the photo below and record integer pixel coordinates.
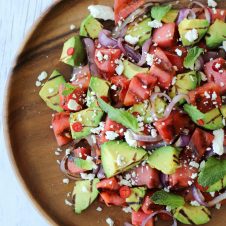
(27, 119)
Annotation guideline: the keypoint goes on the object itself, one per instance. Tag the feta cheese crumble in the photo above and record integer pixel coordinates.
(111, 135)
(194, 164)
(131, 40)
(120, 67)
(43, 75)
(129, 139)
(218, 141)
(194, 203)
(66, 181)
(99, 209)
(191, 35)
(212, 3)
(109, 221)
(178, 52)
(155, 24)
(101, 12)
(72, 105)
(67, 203)
(114, 87)
(150, 59)
(86, 176)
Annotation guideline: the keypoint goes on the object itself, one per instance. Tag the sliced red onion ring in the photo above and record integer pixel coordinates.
(145, 50)
(196, 3)
(182, 141)
(120, 45)
(174, 101)
(154, 95)
(199, 64)
(145, 221)
(132, 53)
(90, 49)
(145, 138)
(185, 13)
(164, 178)
(127, 224)
(217, 200)
(153, 146)
(101, 174)
(106, 40)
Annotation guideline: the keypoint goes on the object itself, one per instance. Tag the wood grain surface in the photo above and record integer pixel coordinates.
(27, 120)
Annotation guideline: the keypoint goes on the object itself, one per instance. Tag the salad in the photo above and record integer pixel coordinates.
(142, 117)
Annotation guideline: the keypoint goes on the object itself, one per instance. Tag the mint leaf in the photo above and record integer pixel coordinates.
(158, 12)
(192, 56)
(84, 164)
(167, 199)
(68, 89)
(213, 171)
(120, 116)
(193, 112)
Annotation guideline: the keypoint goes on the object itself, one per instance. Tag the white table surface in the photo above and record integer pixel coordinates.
(16, 18)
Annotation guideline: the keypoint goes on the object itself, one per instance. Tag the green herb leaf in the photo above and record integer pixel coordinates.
(167, 199)
(120, 116)
(192, 56)
(158, 12)
(68, 89)
(213, 171)
(193, 112)
(84, 164)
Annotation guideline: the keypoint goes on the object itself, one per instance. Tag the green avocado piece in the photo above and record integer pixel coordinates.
(223, 110)
(212, 120)
(184, 83)
(136, 197)
(97, 87)
(78, 54)
(188, 214)
(50, 91)
(219, 185)
(159, 105)
(90, 27)
(171, 16)
(89, 118)
(130, 69)
(165, 159)
(186, 25)
(140, 30)
(216, 34)
(117, 157)
(143, 109)
(84, 193)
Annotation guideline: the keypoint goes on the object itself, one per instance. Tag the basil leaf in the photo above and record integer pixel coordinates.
(84, 164)
(192, 56)
(213, 171)
(123, 117)
(193, 112)
(158, 12)
(68, 89)
(167, 199)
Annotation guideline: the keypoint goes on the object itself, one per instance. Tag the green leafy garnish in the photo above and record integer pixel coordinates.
(120, 116)
(158, 12)
(168, 199)
(192, 56)
(68, 89)
(84, 164)
(193, 112)
(213, 171)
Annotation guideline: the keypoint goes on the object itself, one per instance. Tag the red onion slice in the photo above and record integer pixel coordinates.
(127, 224)
(154, 95)
(145, 138)
(199, 64)
(217, 200)
(120, 45)
(90, 49)
(145, 50)
(145, 221)
(185, 13)
(182, 141)
(174, 101)
(105, 39)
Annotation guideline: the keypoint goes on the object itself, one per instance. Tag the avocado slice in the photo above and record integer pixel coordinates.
(165, 159)
(223, 110)
(143, 109)
(218, 185)
(184, 83)
(90, 27)
(216, 34)
(211, 120)
(130, 69)
(188, 214)
(50, 91)
(84, 193)
(97, 87)
(118, 157)
(136, 197)
(171, 16)
(186, 25)
(159, 105)
(140, 30)
(73, 52)
(89, 118)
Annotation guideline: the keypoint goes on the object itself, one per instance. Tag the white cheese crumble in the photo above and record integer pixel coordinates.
(150, 59)
(111, 135)
(109, 221)
(194, 164)
(114, 87)
(212, 3)
(218, 206)
(127, 209)
(38, 83)
(120, 67)
(191, 35)
(86, 176)
(131, 40)
(194, 203)
(99, 56)
(72, 27)
(178, 52)
(67, 151)
(202, 164)
(43, 75)
(130, 141)
(67, 203)
(66, 181)
(97, 130)
(99, 209)
(168, 208)
(101, 12)
(155, 24)
(212, 194)
(194, 175)
(72, 105)
(120, 160)
(218, 141)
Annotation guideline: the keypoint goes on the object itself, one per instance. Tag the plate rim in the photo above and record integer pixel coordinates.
(5, 117)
